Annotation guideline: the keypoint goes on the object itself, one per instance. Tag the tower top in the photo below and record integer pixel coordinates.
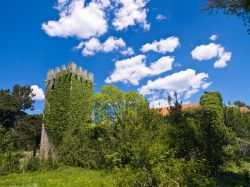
(72, 67)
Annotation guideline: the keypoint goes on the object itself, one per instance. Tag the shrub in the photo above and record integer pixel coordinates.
(9, 161)
(32, 164)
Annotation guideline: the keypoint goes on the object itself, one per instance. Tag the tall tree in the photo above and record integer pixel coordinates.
(111, 104)
(15, 121)
(175, 106)
(218, 139)
(27, 133)
(13, 104)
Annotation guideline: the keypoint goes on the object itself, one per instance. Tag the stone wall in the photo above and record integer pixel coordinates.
(46, 147)
(244, 148)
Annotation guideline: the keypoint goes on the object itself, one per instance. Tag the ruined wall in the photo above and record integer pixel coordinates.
(68, 102)
(244, 148)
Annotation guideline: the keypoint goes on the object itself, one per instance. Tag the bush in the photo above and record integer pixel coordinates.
(127, 177)
(82, 146)
(9, 161)
(35, 164)
(32, 164)
(50, 164)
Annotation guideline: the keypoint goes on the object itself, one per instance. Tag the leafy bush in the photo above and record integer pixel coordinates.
(32, 164)
(9, 161)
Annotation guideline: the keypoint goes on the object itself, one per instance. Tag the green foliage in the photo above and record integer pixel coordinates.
(66, 177)
(145, 149)
(68, 103)
(32, 164)
(13, 104)
(26, 133)
(23, 130)
(128, 177)
(82, 147)
(185, 139)
(175, 106)
(172, 172)
(138, 145)
(9, 161)
(24, 96)
(117, 141)
(239, 122)
(112, 105)
(218, 139)
(35, 164)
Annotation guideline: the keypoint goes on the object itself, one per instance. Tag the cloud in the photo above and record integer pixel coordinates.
(205, 52)
(159, 103)
(129, 13)
(78, 19)
(128, 52)
(161, 17)
(94, 46)
(224, 58)
(39, 95)
(210, 51)
(185, 83)
(132, 70)
(213, 37)
(162, 46)
(113, 43)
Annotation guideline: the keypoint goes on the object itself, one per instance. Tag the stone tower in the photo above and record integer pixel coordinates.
(68, 102)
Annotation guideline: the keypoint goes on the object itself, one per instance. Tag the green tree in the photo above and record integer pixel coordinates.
(9, 160)
(112, 105)
(27, 133)
(175, 106)
(219, 141)
(13, 104)
(239, 122)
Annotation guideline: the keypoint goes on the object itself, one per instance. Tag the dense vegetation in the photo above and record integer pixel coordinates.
(193, 147)
(68, 103)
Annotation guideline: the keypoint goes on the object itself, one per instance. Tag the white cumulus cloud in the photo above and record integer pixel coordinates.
(162, 46)
(128, 52)
(132, 70)
(129, 13)
(38, 92)
(210, 51)
(78, 19)
(94, 46)
(185, 83)
(213, 37)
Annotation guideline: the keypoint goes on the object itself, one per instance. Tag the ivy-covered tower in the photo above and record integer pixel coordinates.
(68, 102)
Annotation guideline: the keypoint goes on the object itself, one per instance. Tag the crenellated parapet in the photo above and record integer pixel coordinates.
(71, 68)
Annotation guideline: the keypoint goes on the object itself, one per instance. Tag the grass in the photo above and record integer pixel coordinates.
(234, 175)
(63, 177)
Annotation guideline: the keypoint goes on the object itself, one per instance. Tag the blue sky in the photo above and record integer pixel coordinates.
(36, 36)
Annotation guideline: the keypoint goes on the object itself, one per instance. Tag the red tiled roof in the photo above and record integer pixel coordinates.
(165, 111)
(244, 109)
